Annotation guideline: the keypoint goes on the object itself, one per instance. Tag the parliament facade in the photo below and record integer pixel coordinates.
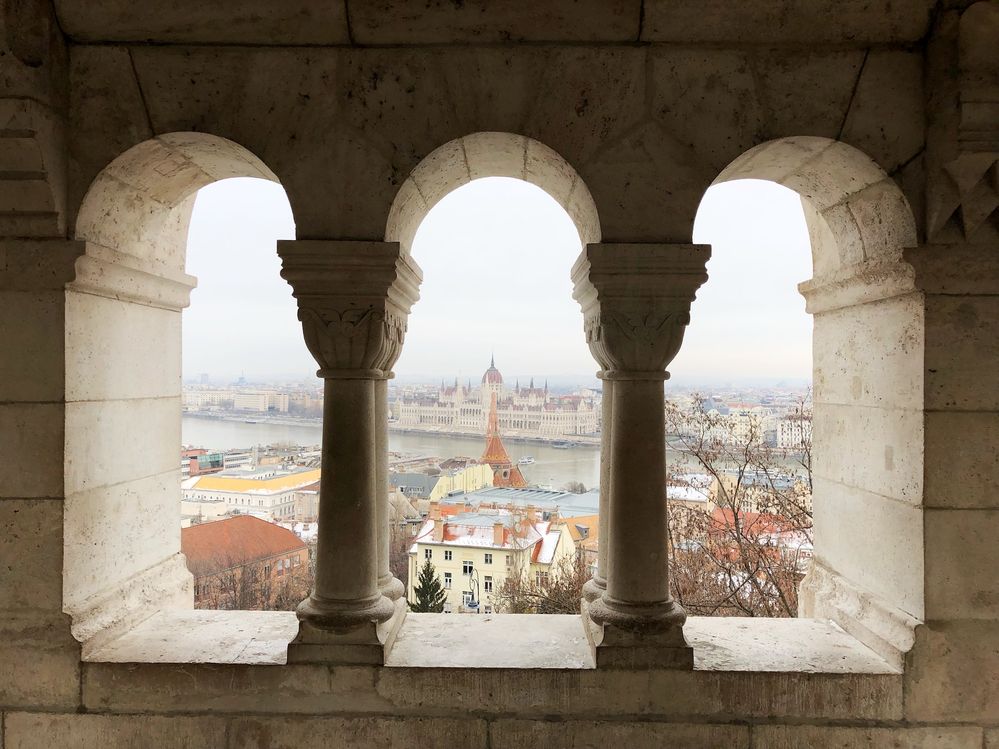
(523, 411)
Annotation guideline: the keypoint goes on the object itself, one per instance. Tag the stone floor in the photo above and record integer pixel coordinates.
(495, 641)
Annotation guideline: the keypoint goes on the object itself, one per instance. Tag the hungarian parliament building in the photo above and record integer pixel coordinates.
(522, 411)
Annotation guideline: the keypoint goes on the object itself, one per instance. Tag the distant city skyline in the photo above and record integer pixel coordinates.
(496, 255)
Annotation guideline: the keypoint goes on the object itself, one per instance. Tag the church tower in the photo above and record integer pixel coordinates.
(505, 473)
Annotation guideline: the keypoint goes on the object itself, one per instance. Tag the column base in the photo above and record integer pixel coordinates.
(366, 643)
(616, 645)
(392, 588)
(594, 588)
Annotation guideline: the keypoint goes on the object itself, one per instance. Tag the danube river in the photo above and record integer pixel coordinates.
(552, 467)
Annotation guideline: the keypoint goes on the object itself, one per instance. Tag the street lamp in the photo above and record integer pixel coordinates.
(473, 585)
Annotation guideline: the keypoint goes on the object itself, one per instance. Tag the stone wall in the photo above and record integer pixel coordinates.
(645, 104)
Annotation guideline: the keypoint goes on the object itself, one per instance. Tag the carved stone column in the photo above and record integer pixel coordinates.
(636, 305)
(594, 588)
(353, 301)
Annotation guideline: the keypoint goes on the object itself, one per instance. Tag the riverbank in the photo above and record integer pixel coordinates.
(296, 421)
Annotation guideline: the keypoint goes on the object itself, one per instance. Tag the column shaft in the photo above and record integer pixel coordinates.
(347, 553)
(637, 573)
(595, 587)
(388, 583)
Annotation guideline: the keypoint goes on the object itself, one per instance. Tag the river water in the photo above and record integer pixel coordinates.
(552, 467)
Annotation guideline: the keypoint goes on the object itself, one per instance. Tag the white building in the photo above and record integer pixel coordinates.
(522, 411)
(794, 431)
(265, 492)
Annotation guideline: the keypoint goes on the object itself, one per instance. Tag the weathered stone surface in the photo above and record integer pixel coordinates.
(479, 21)
(883, 455)
(952, 673)
(960, 550)
(962, 353)
(869, 355)
(885, 119)
(31, 434)
(304, 733)
(119, 350)
(201, 636)
(192, 22)
(101, 133)
(872, 540)
(508, 734)
(502, 641)
(30, 558)
(31, 730)
(39, 661)
(27, 323)
(804, 92)
(171, 688)
(856, 22)
(792, 737)
(98, 556)
(101, 445)
(962, 464)
(715, 87)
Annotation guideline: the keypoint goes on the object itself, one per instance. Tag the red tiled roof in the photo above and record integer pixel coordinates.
(223, 544)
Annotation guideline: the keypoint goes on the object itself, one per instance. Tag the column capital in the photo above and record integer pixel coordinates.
(354, 300)
(636, 302)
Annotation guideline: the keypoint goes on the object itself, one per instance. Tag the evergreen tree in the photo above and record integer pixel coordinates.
(430, 594)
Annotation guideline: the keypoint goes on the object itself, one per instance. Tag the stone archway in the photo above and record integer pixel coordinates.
(121, 543)
(867, 573)
(490, 154)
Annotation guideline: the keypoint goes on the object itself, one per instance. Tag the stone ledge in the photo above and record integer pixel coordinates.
(507, 641)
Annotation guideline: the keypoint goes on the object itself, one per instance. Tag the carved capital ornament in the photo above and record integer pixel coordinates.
(354, 300)
(636, 302)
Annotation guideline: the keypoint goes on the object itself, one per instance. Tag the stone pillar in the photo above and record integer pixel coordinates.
(390, 586)
(595, 587)
(353, 301)
(636, 302)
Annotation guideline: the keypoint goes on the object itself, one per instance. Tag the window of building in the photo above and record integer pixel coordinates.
(541, 577)
(466, 567)
(509, 560)
(466, 597)
(489, 558)
(447, 580)
(447, 555)
(428, 553)
(487, 584)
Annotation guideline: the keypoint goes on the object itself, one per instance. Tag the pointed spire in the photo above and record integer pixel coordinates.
(492, 428)
(492, 360)
(532, 383)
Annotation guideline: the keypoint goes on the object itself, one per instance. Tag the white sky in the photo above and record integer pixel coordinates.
(496, 255)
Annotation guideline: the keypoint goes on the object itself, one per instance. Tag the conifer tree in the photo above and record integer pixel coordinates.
(430, 594)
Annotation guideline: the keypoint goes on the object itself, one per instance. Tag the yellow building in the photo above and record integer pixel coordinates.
(269, 492)
(473, 476)
(490, 545)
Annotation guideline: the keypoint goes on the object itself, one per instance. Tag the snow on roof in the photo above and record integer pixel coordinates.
(549, 543)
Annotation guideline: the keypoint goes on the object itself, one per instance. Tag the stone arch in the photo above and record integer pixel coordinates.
(490, 154)
(855, 212)
(867, 359)
(121, 548)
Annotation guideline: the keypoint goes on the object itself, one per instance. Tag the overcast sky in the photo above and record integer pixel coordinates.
(496, 255)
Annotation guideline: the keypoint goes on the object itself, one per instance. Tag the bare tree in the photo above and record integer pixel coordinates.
(399, 543)
(746, 554)
(239, 585)
(558, 592)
